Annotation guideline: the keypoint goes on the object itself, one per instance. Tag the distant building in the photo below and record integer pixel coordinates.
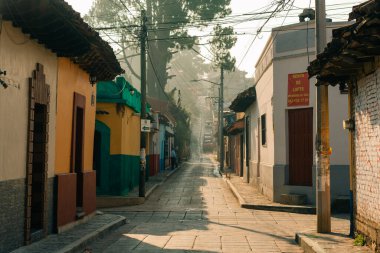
(351, 61)
(279, 122)
(117, 137)
(165, 140)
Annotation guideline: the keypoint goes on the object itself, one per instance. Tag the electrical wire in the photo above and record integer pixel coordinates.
(155, 73)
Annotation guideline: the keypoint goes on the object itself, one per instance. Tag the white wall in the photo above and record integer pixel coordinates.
(18, 56)
(297, 62)
(263, 105)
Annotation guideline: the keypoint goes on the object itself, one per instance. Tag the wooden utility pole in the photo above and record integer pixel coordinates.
(323, 139)
(143, 115)
(221, 121)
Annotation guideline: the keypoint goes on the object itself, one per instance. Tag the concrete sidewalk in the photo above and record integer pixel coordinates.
(133, 197)
(75, 239)
(249, 197)
(337, 241)
(310, 241)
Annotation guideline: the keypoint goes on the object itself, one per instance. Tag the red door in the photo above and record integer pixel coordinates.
(300, 146)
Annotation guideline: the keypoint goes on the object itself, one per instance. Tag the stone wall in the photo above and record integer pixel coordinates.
(367, 150)
(12, 206)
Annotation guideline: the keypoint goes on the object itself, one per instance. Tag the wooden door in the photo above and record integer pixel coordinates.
(241, 154)
(300, 146)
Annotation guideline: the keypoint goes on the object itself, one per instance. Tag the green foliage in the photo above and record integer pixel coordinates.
(359, 240)
(168, 22)
(182, 127)
(221, 45)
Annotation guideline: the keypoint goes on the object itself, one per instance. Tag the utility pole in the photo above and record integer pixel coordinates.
(219, 143)
(322, 139)
(143, 135)
(221, 121)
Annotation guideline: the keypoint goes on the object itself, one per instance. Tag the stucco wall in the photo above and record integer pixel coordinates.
(263, 105)
(125, 129)
(19, 55)
(73, 79)
(113, 121)
(286, 55)
(262, 166)
(131, 133)
(338, 112)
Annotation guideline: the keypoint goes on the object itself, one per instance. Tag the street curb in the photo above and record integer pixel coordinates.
(236, 193)
(307, 244)
(288, 209)
(82, 242)
(150, 191)
(170, 174)
(154, 187)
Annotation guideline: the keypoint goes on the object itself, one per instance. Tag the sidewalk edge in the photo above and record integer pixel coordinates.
(236, 193)
(77, 245)
(308, 245)
(154, 187)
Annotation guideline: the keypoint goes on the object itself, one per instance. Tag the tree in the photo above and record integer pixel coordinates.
(221, 45)
(168, 24)
(182, 126)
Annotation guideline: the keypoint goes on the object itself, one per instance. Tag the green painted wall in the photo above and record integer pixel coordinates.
(124, 174)
(102, 157)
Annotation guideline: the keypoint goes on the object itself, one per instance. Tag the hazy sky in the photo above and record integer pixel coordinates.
(336, 9)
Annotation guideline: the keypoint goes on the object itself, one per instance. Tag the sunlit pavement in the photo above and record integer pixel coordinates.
(194, 211)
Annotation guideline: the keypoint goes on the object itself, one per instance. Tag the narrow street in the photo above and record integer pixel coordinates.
(194, 211)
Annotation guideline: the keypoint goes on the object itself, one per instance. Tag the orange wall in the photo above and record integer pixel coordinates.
(125, 130)
(113, 121)
(72, 79)
(131, 133)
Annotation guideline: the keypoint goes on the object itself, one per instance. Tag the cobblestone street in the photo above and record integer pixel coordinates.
(194, 211)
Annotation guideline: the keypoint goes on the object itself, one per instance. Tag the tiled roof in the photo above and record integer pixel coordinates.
(244, 100)
(351, 47)
(59, 28)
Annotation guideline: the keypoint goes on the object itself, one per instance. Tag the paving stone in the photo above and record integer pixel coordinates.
(194, 211)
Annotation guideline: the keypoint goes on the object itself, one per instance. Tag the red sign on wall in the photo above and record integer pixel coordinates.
(298, 89)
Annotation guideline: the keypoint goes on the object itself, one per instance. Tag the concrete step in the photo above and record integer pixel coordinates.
(293, 199)
(270, 206)
(341, 204)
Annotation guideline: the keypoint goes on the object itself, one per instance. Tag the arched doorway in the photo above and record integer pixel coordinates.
(101, 157)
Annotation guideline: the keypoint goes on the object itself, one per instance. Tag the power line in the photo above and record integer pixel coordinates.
(258, 32)
(155, 73)
(202, 55)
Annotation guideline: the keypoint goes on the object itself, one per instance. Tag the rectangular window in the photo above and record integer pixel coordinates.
(263, 130)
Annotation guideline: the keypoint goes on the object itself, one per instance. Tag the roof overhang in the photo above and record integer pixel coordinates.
(351, 48)
(236, 128)
(244, 100)
(59, 28)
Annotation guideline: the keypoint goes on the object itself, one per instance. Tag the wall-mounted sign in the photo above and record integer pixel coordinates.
(298, 89)
(145, 125)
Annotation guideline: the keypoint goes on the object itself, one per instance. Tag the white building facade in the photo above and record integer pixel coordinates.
(281, 123)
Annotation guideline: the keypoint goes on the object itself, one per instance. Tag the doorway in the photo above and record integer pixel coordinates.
(36, 218)
(241, 154)
(38, 167)
(247, 146)
(97, 156)
(77, 153)
(300, 146)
